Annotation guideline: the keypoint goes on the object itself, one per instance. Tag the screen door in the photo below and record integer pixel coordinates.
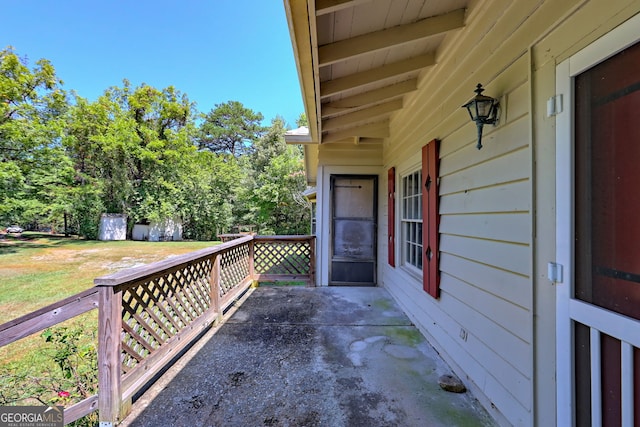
(353, 230)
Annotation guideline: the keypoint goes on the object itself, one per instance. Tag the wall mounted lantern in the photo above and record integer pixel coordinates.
(483, 110)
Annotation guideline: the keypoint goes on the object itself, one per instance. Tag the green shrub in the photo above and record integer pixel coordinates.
(66, 373)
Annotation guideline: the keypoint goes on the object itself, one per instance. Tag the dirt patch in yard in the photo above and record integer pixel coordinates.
(66, 255)
(94, 259)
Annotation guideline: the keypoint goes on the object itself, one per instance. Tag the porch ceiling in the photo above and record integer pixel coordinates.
(358, 59)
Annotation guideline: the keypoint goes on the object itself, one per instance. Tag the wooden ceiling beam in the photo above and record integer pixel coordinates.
(324, 7)
(371, 130)
(362, 116)
(367, 99)
(372, 42)
(393, 70)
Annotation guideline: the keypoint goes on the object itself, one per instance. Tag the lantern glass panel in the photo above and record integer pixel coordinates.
(484, 109)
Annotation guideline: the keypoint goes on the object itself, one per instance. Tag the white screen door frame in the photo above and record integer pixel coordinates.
(569, 309)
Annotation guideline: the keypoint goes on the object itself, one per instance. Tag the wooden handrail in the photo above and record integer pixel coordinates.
(144, 272)
(80, 409)
(48, 316)
(285, 238)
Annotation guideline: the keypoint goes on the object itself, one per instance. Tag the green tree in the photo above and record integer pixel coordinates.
(211, 185)
(269, 145)
(230, 128)
(35, 171)
(276, 196)
(138, 151)
(132, 147)
(302, 120)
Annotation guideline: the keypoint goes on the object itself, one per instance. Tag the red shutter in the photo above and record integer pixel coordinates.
(391, 215)
(430, 219)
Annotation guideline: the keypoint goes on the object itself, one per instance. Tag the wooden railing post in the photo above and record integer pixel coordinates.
(214, 284)
(109, 349)
(312, 261)
(252, 270)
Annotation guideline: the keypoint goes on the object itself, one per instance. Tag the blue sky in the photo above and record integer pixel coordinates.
(213, 50)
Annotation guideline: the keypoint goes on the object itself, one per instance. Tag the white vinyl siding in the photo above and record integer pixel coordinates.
(482, 321)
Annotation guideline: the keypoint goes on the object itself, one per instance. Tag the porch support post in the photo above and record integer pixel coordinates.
(252, 254)
(312, 261)
(214, 287)
(109, 350)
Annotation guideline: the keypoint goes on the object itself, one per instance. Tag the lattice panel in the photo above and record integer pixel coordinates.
(282, 257)
(154, 311)
(234, 268)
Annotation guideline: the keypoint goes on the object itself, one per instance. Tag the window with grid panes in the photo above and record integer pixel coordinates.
(411, 220)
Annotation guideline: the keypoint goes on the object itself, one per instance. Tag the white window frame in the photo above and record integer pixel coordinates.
(406, 221)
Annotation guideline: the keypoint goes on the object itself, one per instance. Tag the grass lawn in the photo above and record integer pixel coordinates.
(39, 269)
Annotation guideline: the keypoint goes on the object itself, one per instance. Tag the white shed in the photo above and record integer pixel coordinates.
(140, 232)
(167, 230)
(113, 227)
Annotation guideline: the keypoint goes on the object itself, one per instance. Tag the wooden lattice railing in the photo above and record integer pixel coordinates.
(158, 309)
(155, 311)
(290, 258)
(149, 314)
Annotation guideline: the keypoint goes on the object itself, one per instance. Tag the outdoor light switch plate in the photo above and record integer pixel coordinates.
(554, 272)
(554, 105)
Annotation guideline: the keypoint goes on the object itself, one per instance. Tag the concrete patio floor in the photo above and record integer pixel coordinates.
(296, 356)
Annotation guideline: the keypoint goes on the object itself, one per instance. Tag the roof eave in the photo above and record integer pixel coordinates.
(300, 24)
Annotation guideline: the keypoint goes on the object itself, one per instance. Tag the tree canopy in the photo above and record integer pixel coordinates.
(140, 151)
(230, 128)
(34, 171)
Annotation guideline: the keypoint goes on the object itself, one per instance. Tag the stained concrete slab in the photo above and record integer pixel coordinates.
(296, 356)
